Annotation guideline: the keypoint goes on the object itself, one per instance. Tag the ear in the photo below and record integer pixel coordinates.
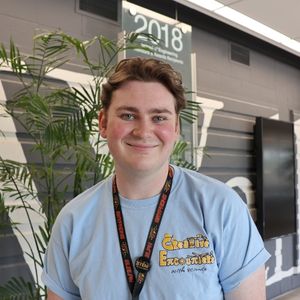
(102, 123)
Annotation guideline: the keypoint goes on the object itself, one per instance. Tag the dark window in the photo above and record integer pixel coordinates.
(165, 7)
(275, 177)
(104, 8)
(240, 54)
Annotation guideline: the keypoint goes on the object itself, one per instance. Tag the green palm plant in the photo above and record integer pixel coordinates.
(62, 122)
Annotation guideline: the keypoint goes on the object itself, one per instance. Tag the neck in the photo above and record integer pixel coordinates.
(141, 186)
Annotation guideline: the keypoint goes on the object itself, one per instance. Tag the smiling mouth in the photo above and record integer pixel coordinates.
(141, 146)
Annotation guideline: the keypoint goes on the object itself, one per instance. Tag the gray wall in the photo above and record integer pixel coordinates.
(232, 95)
(266, 88)
(23, 19)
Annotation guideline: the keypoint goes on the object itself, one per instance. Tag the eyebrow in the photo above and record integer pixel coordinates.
(152, 111)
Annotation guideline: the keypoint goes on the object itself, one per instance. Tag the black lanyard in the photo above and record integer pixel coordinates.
(142, 264)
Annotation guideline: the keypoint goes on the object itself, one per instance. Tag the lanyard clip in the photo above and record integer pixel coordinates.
(142, 264)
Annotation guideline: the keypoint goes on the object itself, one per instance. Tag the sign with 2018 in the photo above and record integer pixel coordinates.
(173, 43)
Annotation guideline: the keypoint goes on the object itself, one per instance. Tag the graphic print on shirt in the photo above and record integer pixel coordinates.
(190, 254)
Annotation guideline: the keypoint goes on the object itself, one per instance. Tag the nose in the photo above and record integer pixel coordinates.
(142, 129)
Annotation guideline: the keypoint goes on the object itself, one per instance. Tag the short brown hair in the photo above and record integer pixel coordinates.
(144, 69)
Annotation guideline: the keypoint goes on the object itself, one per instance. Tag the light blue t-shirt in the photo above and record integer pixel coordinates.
(206, 245)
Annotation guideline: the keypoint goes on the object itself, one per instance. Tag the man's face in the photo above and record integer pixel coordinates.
(141, 126)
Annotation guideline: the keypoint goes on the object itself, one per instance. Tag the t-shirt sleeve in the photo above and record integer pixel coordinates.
(242, 250)
(56, 273)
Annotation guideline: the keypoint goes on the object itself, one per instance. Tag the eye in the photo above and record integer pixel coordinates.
(127, 116)
(159, 118)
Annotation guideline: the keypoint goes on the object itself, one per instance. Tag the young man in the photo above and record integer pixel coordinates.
(152, 231)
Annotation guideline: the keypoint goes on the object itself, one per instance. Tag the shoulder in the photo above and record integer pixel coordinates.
(84, 207)
(89, 196)
(201, 183)
(212, 197)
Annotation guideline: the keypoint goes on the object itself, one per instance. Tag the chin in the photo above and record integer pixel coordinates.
(148, 167)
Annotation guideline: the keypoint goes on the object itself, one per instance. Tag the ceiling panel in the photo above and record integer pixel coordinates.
(282, 16)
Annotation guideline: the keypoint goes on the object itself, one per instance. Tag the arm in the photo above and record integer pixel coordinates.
(56, 272)
(53, 296)
(253, 287)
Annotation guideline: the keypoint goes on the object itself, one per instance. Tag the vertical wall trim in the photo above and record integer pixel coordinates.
(194, 98)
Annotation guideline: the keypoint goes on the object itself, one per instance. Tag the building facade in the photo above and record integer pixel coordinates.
(232, 93)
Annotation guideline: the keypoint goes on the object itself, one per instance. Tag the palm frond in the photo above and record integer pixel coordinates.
(190, 113)
(177, 157)
(12, 169)
(17, 289)
(3, 55)
(15, 60)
